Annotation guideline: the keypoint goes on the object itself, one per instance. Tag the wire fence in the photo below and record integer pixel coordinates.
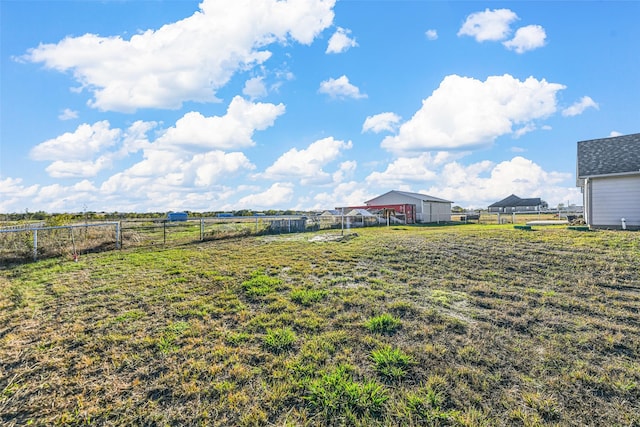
(20, 243)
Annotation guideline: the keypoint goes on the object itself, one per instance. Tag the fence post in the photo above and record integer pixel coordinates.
(118, 238)
(35, 244)
(201, 229)
(164, 232)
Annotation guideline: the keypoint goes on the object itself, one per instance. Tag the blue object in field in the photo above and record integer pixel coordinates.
(225, 215)
(177, 216)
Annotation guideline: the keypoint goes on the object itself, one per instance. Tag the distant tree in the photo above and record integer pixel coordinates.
(457, 209)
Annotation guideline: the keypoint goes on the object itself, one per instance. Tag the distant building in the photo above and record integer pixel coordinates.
(427, 208)
(514, 204)
(177, 216)
(608, 173)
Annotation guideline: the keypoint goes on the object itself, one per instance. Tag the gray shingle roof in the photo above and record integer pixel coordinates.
(514, 200)
(619, 154)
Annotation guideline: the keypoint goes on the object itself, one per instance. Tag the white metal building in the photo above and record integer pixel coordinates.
(428, 208)
(608, 172)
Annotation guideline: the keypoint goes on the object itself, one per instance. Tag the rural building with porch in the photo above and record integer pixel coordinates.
(416, 207)
(608, 173)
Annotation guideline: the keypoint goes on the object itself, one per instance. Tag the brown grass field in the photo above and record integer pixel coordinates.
(469, 325)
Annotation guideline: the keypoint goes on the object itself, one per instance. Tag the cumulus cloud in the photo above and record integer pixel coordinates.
(493, 25)
(78, 168)
(14, 194)
(255, 88)
(209, 167)
(350, 193)
(188, 60)
(431, 34)
(68, 114)
(381, 122)
(579, 107)
(464, 112)
(307, 164)
(81, 144)
(527, 38)
(482, 183)
(615, 133)
(90, 148)
(340, 88)
(231, 131)
(345, 170)
(404, 170)
(340, 41)
(407, 171)
(279, 194)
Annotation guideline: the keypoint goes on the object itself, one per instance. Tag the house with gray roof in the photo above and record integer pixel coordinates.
(608, 173)
(427, 208)
(514, 203)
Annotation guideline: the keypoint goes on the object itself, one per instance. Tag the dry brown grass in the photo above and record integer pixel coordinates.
(491, 326)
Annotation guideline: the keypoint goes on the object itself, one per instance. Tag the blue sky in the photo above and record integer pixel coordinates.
(306, 104)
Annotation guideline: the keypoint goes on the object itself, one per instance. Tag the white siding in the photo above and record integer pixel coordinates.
(435, 212)
(614, 198)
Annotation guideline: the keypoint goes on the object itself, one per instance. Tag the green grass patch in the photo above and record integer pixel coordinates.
(280, 339)
(383, 324)
(337, 398)
(307, 297)
(260, 285)
(391, 362)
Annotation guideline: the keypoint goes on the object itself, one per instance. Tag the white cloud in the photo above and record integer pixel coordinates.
(408, 171)
(345, 170)
(188, 60)
(579, 107)
(490, 25)
(209, 167)
(464, 112)
(381, 122)
(279, 194)
(231, 131)
(350, 193)
(483, 183)
(527, 38)
(81, 144)
(528, 127)
(68, 114)
(78, 168)
(340, 88)
(431, 34)
(90, 148)
(307, 164)
(615, 133)
(14, 196)
(255, 88)
(340, 41)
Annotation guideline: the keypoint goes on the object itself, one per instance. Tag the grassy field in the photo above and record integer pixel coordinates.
(468, 325)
